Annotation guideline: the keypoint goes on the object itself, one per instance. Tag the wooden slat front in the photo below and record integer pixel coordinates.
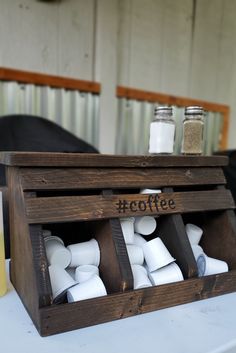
(60, 318)
(49, 159)
(92, 178)
(83, 208)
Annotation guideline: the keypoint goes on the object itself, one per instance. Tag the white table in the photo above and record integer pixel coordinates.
(206, 326)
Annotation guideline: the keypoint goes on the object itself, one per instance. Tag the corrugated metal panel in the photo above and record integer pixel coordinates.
(212, 132)
(134, 119)
(76, 111)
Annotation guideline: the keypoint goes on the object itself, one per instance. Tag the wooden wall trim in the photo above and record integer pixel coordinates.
(28, 77)
(225, 130)
(35, 78)
(154, 97)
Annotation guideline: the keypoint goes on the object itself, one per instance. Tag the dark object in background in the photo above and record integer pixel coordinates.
(34, 134)
(230, 170)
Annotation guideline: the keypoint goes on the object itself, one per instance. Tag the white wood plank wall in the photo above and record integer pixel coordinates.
(180, 47)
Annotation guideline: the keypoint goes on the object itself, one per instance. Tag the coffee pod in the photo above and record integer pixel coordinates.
(127, 226)
(139, 240)
(56, 252)
(135, 254)
(210, 266)
(194, 233)
(140, 277)
(85, 272)
(168, 274)
(71, 271)
(150, 191)
(197, 251)
(146, 266)
(60, 280)
(156, 254)
(47, 233)
(91, 288)
(86, 253)
(145, 225)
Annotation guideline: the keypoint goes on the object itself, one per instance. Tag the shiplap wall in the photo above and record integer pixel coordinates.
(155, 44)
(181, 47)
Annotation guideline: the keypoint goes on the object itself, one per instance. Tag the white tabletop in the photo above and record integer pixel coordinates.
(205, 326)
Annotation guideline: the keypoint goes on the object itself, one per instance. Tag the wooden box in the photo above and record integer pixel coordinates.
(82, 196)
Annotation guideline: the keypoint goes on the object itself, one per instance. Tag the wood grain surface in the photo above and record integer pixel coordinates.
(36, 183)
(171, 230)
(91, 178)
(154, 97)
(84, 208)
(48, 159)
(40, 266)
(22, 270)
(35, 78)
(55, 319)
(114, 267)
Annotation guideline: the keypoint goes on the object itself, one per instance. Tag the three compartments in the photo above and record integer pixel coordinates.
(81, 196)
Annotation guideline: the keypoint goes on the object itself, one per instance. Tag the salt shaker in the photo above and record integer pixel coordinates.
(162, 131)
(193, 126)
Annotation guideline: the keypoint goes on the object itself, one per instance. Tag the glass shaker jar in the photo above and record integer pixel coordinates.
(162, 131)
(193, 125)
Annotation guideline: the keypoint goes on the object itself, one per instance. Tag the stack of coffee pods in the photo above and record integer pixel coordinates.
(73, 270)
(150, 261)
(160, 264)
(206, 265)
(135, 252)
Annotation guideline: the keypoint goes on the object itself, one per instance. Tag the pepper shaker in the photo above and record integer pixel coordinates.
(193, 126)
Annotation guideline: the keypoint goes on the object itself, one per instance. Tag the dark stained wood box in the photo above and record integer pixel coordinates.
(79, 196)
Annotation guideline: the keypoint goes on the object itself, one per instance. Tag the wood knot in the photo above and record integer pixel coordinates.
(44, 181)
(188, 174)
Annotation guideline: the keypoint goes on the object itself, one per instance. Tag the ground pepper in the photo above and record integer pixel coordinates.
(193, 126)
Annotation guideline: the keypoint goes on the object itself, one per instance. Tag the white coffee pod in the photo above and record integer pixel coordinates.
(85, 253)
(150, 191)
(127, 226)
(145, 225)
(210, 266)
(194, 233)
(84, 272)
(156, 254)
(140, 277)
(135, 254)
(197, 251)
(91, 288)
(56, 252)
(60, 280)
(168, 274)
(139, 240)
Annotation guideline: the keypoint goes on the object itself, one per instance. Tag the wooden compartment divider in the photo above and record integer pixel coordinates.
(171, 230)
(94, 191)
(114, 266)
